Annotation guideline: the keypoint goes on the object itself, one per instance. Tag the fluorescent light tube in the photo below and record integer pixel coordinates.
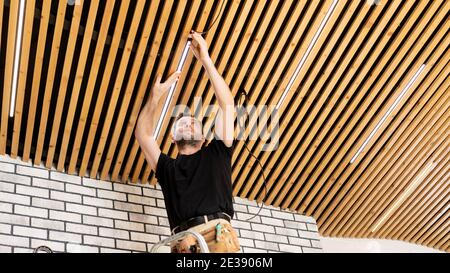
(17, 57)
(406, 193)
(171, 91)
(308, 51)
(386, 115)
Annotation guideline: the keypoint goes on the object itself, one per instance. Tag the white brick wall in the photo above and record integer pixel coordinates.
(73, 214)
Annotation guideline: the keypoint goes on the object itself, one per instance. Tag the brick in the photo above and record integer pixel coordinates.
(272, 221)
(131, 245)
(112, 214)
(6, 167)
(312, 250)
(98, 221)
(155, 211)
(33, 191)
(144, 237)
(104, 203)
(286, 231)
(98, 241)
(112, 195)
(15, 198)
(290, 248)
(263, 228)
(15, 178)
(10, 240)
(266, 245)
(47, 203)
(32, 171)
(73, 179)
(30, 211)
(253, 250)
(141, 200)
(158, 230)
(128, 207)
(163, 222)
(153, 193)
(142, 218)
(112, 250)
(276, 238)
(127, 188)
(100, 184)
(5, 249)
(83, 229)
(160, 203)
(69, 197)
(283, 215)
(299, 241)
(5, 207)
(316, 244)
(240, 208)
(304, 218)
(14, 219)
(65, 237)
(248, 217)
(252, 234)
(30, 232)
(246, 202)
(129, 225)
(296, 225)
(80, 190)
(114, 233)
(308, 234)
(48, 184)
(81, 209)
(47, 224)
(4, 228)
(312, 227)
(240, 224)
(65, 216)
(246, 242)
(23, 250)
(54, 246)
(72, 248)
(256, 211)
(7, 187)
(18, 160)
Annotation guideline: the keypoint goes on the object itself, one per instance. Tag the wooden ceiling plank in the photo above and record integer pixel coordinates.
(37, 73)
(137, 63)
(23, 72)
(8, 79)
(436, 232)
(285, 145)
(441, 239)
(79, 76)
(54, 54)
(341, 205)
(70, 52)
(340, 160)
(114, 47)
(118, 82)
(143, 88)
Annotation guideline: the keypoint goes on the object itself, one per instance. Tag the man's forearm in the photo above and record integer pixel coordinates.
(146, 122)
(221, 88)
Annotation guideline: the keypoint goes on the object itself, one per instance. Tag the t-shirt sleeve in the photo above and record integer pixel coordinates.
(218, 146)
(163, 168)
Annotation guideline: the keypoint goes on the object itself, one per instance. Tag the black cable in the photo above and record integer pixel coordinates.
(212, 24)
(242, 92)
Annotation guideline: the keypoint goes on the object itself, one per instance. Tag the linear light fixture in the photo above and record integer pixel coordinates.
(386, 115)
(308, 51)
(171, 91)
(430, 166)
(17, 57)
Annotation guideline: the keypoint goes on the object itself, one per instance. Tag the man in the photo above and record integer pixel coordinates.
(197, 184)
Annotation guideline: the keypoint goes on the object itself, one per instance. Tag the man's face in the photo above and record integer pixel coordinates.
(188, 128)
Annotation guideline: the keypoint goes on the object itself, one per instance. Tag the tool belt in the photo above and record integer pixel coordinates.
(220, 238)
(200, 220)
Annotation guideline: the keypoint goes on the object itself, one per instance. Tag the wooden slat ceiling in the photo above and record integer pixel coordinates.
(86, 70)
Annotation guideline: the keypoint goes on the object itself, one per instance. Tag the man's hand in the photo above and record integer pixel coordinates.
(159, 89)
(199, 47)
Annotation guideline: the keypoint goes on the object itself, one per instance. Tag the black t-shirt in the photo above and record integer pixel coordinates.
(197, 184)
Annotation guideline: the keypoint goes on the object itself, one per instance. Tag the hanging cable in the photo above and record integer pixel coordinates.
(212, 24)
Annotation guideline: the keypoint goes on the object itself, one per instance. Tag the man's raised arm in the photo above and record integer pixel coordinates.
(145, 126)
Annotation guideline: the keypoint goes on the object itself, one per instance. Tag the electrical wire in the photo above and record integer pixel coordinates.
(212, 24)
